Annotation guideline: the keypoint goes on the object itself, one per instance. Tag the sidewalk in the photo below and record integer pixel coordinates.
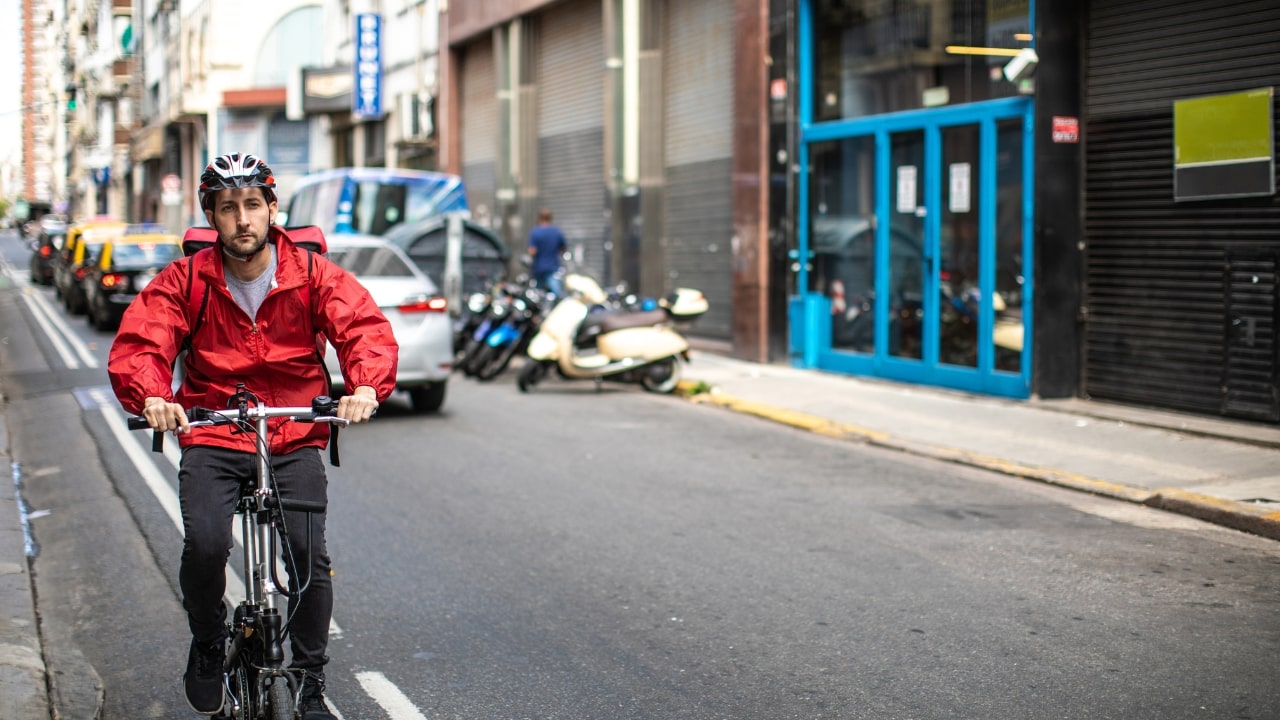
(1216, 470)
(23, 689)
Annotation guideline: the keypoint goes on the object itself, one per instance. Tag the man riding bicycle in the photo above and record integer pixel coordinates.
(247, 311)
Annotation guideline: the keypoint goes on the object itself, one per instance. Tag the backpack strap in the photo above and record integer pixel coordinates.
(195, 315)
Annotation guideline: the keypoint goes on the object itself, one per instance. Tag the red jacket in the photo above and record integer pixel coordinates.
(275, 357)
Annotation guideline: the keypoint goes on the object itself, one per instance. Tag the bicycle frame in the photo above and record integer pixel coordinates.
(254, 662)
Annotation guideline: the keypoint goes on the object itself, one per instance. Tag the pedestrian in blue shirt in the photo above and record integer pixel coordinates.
(546, 244)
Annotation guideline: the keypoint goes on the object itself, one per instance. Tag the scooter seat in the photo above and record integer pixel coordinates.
(620, 321)
(589, 330)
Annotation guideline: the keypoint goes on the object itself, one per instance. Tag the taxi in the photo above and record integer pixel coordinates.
(125, 264)
(84, 239)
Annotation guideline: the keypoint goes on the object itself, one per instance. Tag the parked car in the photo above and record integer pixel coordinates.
(44, 248)
(417, 311)
(370, 201)
(84, 240)
(124, 266)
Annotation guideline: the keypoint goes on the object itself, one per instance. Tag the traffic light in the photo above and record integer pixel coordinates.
(71, 97)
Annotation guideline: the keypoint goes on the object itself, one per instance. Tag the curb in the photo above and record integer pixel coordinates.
(1228, 513)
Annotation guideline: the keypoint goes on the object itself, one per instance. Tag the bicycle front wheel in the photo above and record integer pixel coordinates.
(280, 700)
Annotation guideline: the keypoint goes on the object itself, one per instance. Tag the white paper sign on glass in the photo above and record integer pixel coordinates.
(960, 188)
(907, 189)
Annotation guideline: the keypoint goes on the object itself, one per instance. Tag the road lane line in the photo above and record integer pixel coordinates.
(86, 356)
(388, 696)
(39, 313)
(161, 488)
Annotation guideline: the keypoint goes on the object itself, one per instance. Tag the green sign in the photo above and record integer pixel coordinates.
(1223, 146)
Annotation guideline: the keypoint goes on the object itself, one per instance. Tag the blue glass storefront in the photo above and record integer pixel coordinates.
(915, 222)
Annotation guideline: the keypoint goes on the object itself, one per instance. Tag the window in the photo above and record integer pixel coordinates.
(873, 57)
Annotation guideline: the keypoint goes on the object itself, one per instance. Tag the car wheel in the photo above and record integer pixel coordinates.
(427, 399)
(102, 319)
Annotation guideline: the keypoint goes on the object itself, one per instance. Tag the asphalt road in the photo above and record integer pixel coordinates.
(568, 554)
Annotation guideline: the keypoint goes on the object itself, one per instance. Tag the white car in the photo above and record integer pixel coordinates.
(418, 312)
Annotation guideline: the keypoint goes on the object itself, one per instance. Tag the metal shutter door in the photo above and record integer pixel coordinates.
(479, 126)
(570, 114)
(698, 46)
(1158, 289)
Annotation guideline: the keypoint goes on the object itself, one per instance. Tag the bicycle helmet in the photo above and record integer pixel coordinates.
(236, 171)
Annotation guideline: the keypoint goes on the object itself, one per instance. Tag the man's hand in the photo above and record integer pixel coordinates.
(164, 416)
(358, 407)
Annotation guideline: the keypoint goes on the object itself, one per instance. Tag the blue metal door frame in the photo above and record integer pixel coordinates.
(927, 370)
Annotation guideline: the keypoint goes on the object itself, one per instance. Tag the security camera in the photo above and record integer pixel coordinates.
(1022, 66)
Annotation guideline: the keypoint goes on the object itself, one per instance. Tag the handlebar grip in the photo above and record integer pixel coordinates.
(307, 506)
(138, 423)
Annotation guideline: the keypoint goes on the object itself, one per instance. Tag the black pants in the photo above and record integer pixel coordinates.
(209, 481)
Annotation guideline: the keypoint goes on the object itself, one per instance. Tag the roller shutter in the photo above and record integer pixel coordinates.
(570, 111)
(1180, 297)
(479, 111)
(698, 48)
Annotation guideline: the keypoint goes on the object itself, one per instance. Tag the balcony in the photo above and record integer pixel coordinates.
(121, 7)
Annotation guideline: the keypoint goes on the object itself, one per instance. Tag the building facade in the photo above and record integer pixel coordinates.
(1010, 197)
(641, 124)
(1098, 218)
(44, 105)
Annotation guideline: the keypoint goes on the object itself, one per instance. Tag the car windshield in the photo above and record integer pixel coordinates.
(370, 262)
(145, 255)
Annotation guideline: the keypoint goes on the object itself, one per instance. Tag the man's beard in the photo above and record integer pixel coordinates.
(245, 257)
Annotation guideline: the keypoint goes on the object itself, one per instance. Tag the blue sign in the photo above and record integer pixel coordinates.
(366, 99)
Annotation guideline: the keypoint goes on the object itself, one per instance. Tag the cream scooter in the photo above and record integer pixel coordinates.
(617, 345)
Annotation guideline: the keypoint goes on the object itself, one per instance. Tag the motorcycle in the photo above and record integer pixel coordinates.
(623, 345)
(485, 312)
(518, 323)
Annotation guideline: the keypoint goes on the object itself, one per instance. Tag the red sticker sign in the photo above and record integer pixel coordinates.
(1066, 129)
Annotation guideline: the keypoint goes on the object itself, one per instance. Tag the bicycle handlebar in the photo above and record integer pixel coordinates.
(321, 411)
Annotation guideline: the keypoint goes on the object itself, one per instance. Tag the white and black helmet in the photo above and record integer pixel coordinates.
(235, 170)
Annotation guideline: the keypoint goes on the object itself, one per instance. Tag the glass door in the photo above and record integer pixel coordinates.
(919, 240)
(908, 258)
(960, 259)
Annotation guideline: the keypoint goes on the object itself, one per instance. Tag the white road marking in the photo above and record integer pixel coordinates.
(86, 355)
(40, 312)
(388, 696)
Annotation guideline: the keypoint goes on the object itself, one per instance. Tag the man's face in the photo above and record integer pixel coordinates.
(242, 217)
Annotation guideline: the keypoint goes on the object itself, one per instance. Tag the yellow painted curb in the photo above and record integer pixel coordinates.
(1231, 513)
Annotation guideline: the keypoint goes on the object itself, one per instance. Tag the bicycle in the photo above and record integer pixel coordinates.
(259, 686)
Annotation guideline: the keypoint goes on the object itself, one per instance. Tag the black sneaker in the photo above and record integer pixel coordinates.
(203, 682)
(311, 699)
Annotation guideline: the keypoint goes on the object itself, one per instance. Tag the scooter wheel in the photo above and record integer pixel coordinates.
(662, 376)
(531, 374)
